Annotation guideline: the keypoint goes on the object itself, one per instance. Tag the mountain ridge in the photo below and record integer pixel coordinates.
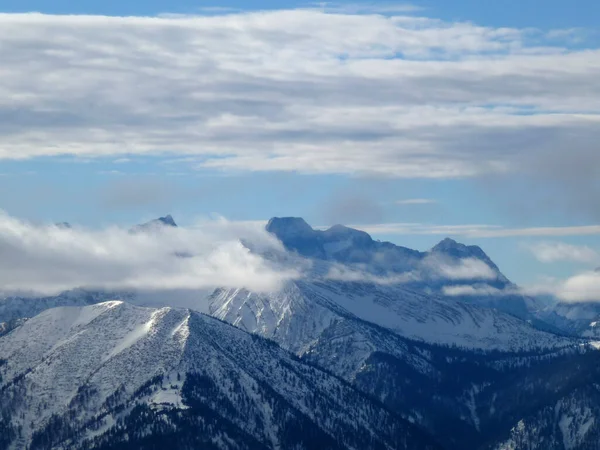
(105, 360)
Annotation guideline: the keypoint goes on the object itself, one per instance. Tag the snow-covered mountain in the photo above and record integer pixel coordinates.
(393, 287)
(439, 360)
(341, 244)
(113, 375)
(438, 364)
(476, 370)
(296, 316)
(450, 268)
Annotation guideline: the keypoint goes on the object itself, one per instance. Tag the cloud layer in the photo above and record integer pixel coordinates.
(48, 259)
(299, 90)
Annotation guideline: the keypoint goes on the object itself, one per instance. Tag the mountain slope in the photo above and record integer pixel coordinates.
(296, 315)
(567, 420)
(112, 375)
(463, 395)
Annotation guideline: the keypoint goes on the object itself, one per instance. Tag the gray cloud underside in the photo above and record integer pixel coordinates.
(299, 90)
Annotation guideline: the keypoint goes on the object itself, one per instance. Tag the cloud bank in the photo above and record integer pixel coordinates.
(48, 259)
(300, 90)
(584, 287)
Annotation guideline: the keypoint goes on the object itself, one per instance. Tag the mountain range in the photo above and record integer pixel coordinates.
(375, 346)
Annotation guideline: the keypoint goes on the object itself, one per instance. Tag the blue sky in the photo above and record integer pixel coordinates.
(437, 114)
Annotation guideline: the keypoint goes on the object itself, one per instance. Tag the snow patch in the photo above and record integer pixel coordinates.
(135, 335)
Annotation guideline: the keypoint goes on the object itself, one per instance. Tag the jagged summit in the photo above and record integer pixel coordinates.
(449, 245)
(350, 246)
(342, 231)
(167, 220)
(446, 243)
(455, 249)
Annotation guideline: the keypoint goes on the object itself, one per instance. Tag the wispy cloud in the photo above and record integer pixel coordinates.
(367, 7)
(431, 268)
(416, 201)
(476, 230)
(339, 272)
(475, 290)
(550, 252)
(218, 9)
(463, 269)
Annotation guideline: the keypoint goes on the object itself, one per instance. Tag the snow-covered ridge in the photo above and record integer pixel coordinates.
(83, 362)
(297, 315)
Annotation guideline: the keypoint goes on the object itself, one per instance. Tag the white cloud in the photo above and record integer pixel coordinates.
(416, 201)
(581, 288)
(368, 8)
(470, 290)
(296, 90)
(49, 259)
(476, 230)
(463, 269)
(549, 252)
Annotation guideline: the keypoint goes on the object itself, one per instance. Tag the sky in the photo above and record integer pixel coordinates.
(413, 121)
